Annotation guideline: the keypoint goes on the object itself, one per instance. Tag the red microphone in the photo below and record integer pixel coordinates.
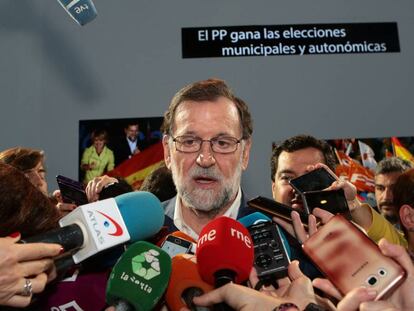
(185, 283)
(224, 252)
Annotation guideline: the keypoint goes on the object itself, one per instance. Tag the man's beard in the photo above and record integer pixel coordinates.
(208, 201)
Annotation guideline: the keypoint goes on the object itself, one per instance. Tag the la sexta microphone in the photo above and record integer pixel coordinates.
(139, 278)
(82, 11)
(224, 252)
(185, 284)
(97, 226)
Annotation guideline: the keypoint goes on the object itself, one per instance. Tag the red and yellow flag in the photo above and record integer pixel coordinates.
(135, 169)
(400, 151)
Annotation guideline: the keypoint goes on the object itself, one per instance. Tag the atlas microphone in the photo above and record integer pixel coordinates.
(139, 278)
(97, 226)
(82, 11)
(185, 284)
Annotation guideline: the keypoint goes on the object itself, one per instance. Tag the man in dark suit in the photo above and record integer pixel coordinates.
(132, 143)
(207, 140)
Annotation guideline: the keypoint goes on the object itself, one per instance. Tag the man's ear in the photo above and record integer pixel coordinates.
(246, 153)
(167, 154)
(407, 216)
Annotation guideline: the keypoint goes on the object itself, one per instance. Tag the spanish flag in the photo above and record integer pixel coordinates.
(135, 169)
(400, 151)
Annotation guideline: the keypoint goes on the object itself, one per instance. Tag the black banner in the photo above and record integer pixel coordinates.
(270, 40)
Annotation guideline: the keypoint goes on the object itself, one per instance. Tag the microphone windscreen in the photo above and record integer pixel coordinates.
(184, 276)
(142, 213)
(140, 277)
(224, 244)
(253, 218)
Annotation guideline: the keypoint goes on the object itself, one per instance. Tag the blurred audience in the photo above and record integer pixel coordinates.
(160, 183)
(403, 195)
(386, 175)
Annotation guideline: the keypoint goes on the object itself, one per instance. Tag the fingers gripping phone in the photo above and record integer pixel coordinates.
(318, 179)
(72, 191)
(333, 201)
(350, 259)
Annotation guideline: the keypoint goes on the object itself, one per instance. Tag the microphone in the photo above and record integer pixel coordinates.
(185, 284)
(224, 252)
(82, 11)
(139, 278)
(94, 227)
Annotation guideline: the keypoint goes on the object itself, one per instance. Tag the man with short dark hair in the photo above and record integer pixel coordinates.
(207, 140)
(301, 154)
(132, 143)
(386, 174)
(291, 159)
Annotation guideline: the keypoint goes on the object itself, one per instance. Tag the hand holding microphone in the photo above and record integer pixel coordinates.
(185, 284)
(139, 278)
(24, 270)
(97, 226)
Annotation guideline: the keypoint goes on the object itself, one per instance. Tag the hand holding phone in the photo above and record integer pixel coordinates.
(350, 259)
(317, 179)
(71, 190)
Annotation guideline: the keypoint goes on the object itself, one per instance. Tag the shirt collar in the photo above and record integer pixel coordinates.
(231, 212)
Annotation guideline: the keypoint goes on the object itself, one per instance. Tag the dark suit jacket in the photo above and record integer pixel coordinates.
(121, 149)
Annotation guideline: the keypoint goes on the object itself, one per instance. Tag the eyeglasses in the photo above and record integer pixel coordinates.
(190, 144)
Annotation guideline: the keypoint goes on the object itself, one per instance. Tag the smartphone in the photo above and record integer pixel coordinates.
(72, 191)
(270, 256)
(318, 179)
(350, 259)
(273, 208)
(174, 245)
(333, 201)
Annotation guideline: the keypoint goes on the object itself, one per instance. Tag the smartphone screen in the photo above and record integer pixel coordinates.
(333, 201)
(317, 179)
(274, 208)
(350, 259)
(175, 245)
(71, 190)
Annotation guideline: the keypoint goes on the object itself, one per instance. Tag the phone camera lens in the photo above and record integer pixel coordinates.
(382, 272)
(372, 280)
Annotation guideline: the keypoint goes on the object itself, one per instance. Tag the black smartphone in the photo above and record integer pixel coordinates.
(317, 179)
(174, 245)
(333, 201)
(272, 208)
(72, 191)
(270, 256)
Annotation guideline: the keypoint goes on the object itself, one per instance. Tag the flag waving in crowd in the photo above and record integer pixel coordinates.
(135, 169)
(400, 151)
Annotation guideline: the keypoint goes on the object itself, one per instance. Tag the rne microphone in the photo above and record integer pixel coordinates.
(82, 11)
(139, 278)
(224, 252)
(185, 284)
(97, 226)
